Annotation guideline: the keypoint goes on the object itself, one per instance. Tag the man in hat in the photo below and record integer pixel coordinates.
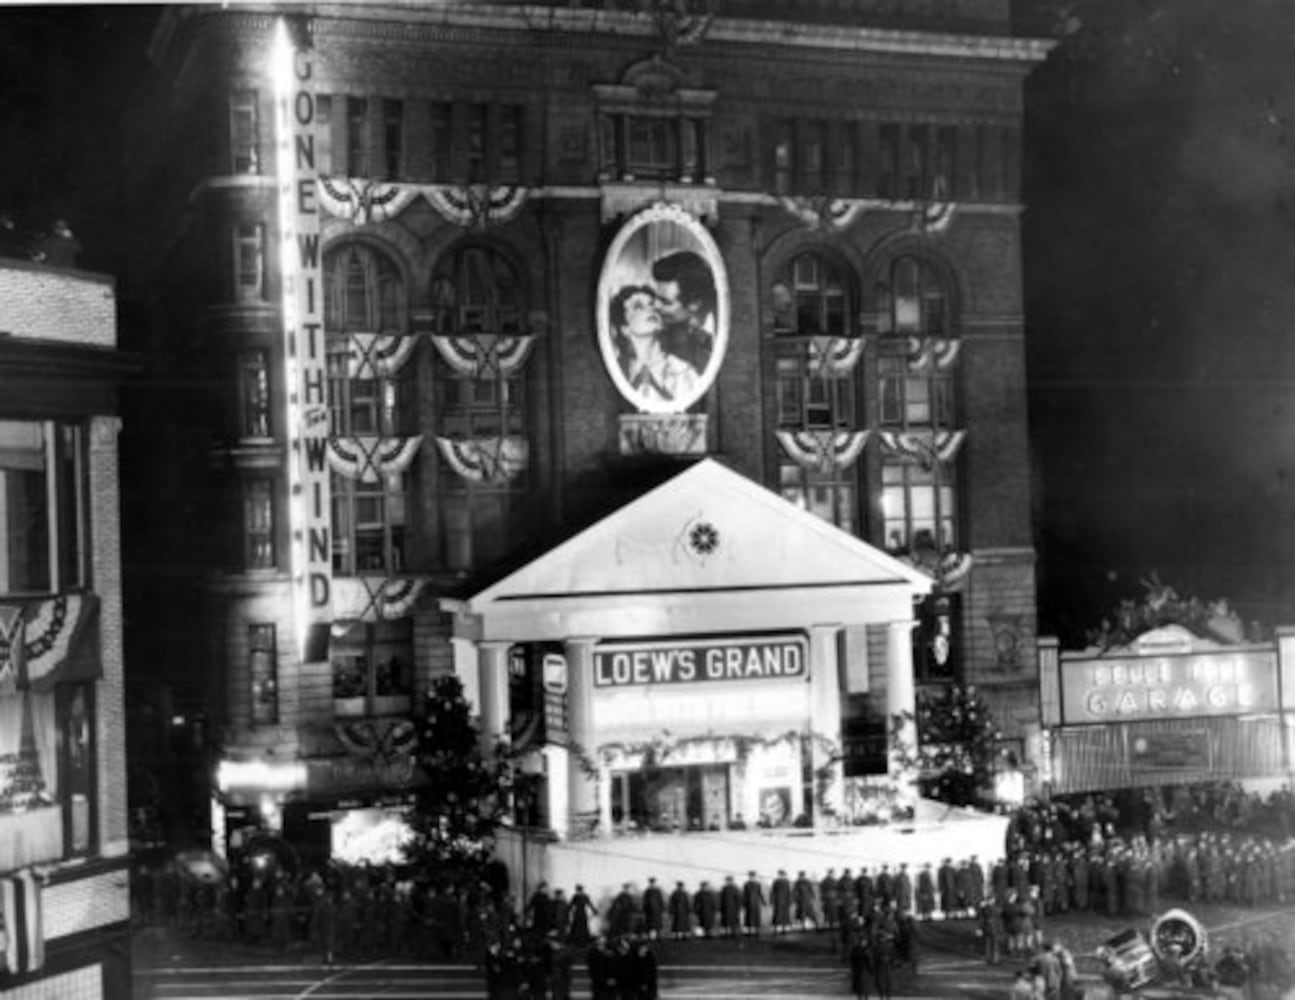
(827, 898)
(680, 913)
(780, 901)
(706, 907)
(653, 909)
(802, 894)
(730, 907)
(753, 903)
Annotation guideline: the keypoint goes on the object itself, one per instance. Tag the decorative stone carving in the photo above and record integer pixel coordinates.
(663, 433)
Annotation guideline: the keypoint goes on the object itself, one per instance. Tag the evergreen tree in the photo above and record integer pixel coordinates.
(464, 792)
(956, 746)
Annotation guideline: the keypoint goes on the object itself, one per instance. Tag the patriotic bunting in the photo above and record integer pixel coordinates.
(824, 450)
(476, 206)
(835, 356)
(928, 447)
(44, 642)
(926, 353)
(374, 355)
(824, 213)
(372, 459)
(485, 355)
(363, 201)
(486, 460)
(371, 599)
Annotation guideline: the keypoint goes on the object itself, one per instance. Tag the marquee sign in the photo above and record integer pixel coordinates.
(1123, 689)
(309, 506)
(638, 664)
(662, 311)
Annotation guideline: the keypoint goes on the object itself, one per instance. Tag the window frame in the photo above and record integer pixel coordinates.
(64, 532)
(263, 673)
(941, 492)
(249, 262)
(373, 702)
(255, 394)
(260, 546)
(244, 131)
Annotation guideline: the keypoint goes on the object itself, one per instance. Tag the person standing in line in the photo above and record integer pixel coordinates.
(860, 966)
(753, 903)
(680, 913)
(582, 908)
(653, 910)
(730, 908)
(803, 899)
(780, 900)
(925, 893)
(706, 906)
(827, 898)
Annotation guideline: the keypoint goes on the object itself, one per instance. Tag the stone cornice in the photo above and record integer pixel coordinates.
(461, 20)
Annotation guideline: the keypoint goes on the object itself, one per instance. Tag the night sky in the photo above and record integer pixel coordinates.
(1160, 274)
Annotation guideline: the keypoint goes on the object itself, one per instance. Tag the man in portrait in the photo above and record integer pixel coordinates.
(687, 302)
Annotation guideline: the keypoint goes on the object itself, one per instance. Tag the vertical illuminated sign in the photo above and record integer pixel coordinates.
(303, 328)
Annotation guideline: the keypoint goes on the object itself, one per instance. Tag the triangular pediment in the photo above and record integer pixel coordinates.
(706, 531)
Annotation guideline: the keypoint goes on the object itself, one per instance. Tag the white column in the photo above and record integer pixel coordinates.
(604, 800)
(492, 664)
(582, 789)
(557, 767)
(901, 700)
(825, 712)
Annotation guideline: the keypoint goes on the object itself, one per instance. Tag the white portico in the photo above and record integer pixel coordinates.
(710, 631)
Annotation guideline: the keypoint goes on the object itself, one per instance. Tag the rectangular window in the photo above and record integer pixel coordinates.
(813, 143)
(373, 669)
(258, 523)
(324, 134)
(244, 133)
(944, 180)
(918, 167)
(476, 159)
(254, 388)
(917, 508)
(888, 161)
(847, 155)
(653, 147)
(510, 144)
(42, 507)
(783, 156)
(75, 784)
(442, 127)
(263, 669)
(829, 495)
(357, 137)
(393, 138)
(369, 522)
(249, 263)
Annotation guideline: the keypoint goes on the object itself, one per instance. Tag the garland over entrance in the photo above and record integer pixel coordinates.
(375, 598)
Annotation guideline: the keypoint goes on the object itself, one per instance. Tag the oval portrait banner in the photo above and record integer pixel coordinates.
(663, 310)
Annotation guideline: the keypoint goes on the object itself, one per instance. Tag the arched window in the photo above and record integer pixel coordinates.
(917, 395)
(364, 298)
(363, 292)
(816, 391)
(477, 298)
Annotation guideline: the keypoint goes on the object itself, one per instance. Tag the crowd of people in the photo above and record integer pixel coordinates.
(1111, 855)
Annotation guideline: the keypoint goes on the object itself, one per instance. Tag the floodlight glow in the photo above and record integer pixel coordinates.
(305, 367)
(259, 775)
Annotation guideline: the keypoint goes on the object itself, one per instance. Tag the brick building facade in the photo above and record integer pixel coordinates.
(64, 918)
(390, 254)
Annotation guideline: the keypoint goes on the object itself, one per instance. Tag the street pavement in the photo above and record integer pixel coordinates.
(795, 966)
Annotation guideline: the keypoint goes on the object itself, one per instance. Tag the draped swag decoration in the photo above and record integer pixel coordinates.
(372, 459)
(485, 355)
(927, 447)
(475, 206)
(823, 449)
(486, 459)
(362, 201)
(835, 356)
(934, 216)
(375, 598)
(929, 353)
(43, 643)
(380, 741)
(823, 212)
(375, 355)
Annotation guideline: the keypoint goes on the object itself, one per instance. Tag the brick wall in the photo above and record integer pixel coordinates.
(46, 303)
